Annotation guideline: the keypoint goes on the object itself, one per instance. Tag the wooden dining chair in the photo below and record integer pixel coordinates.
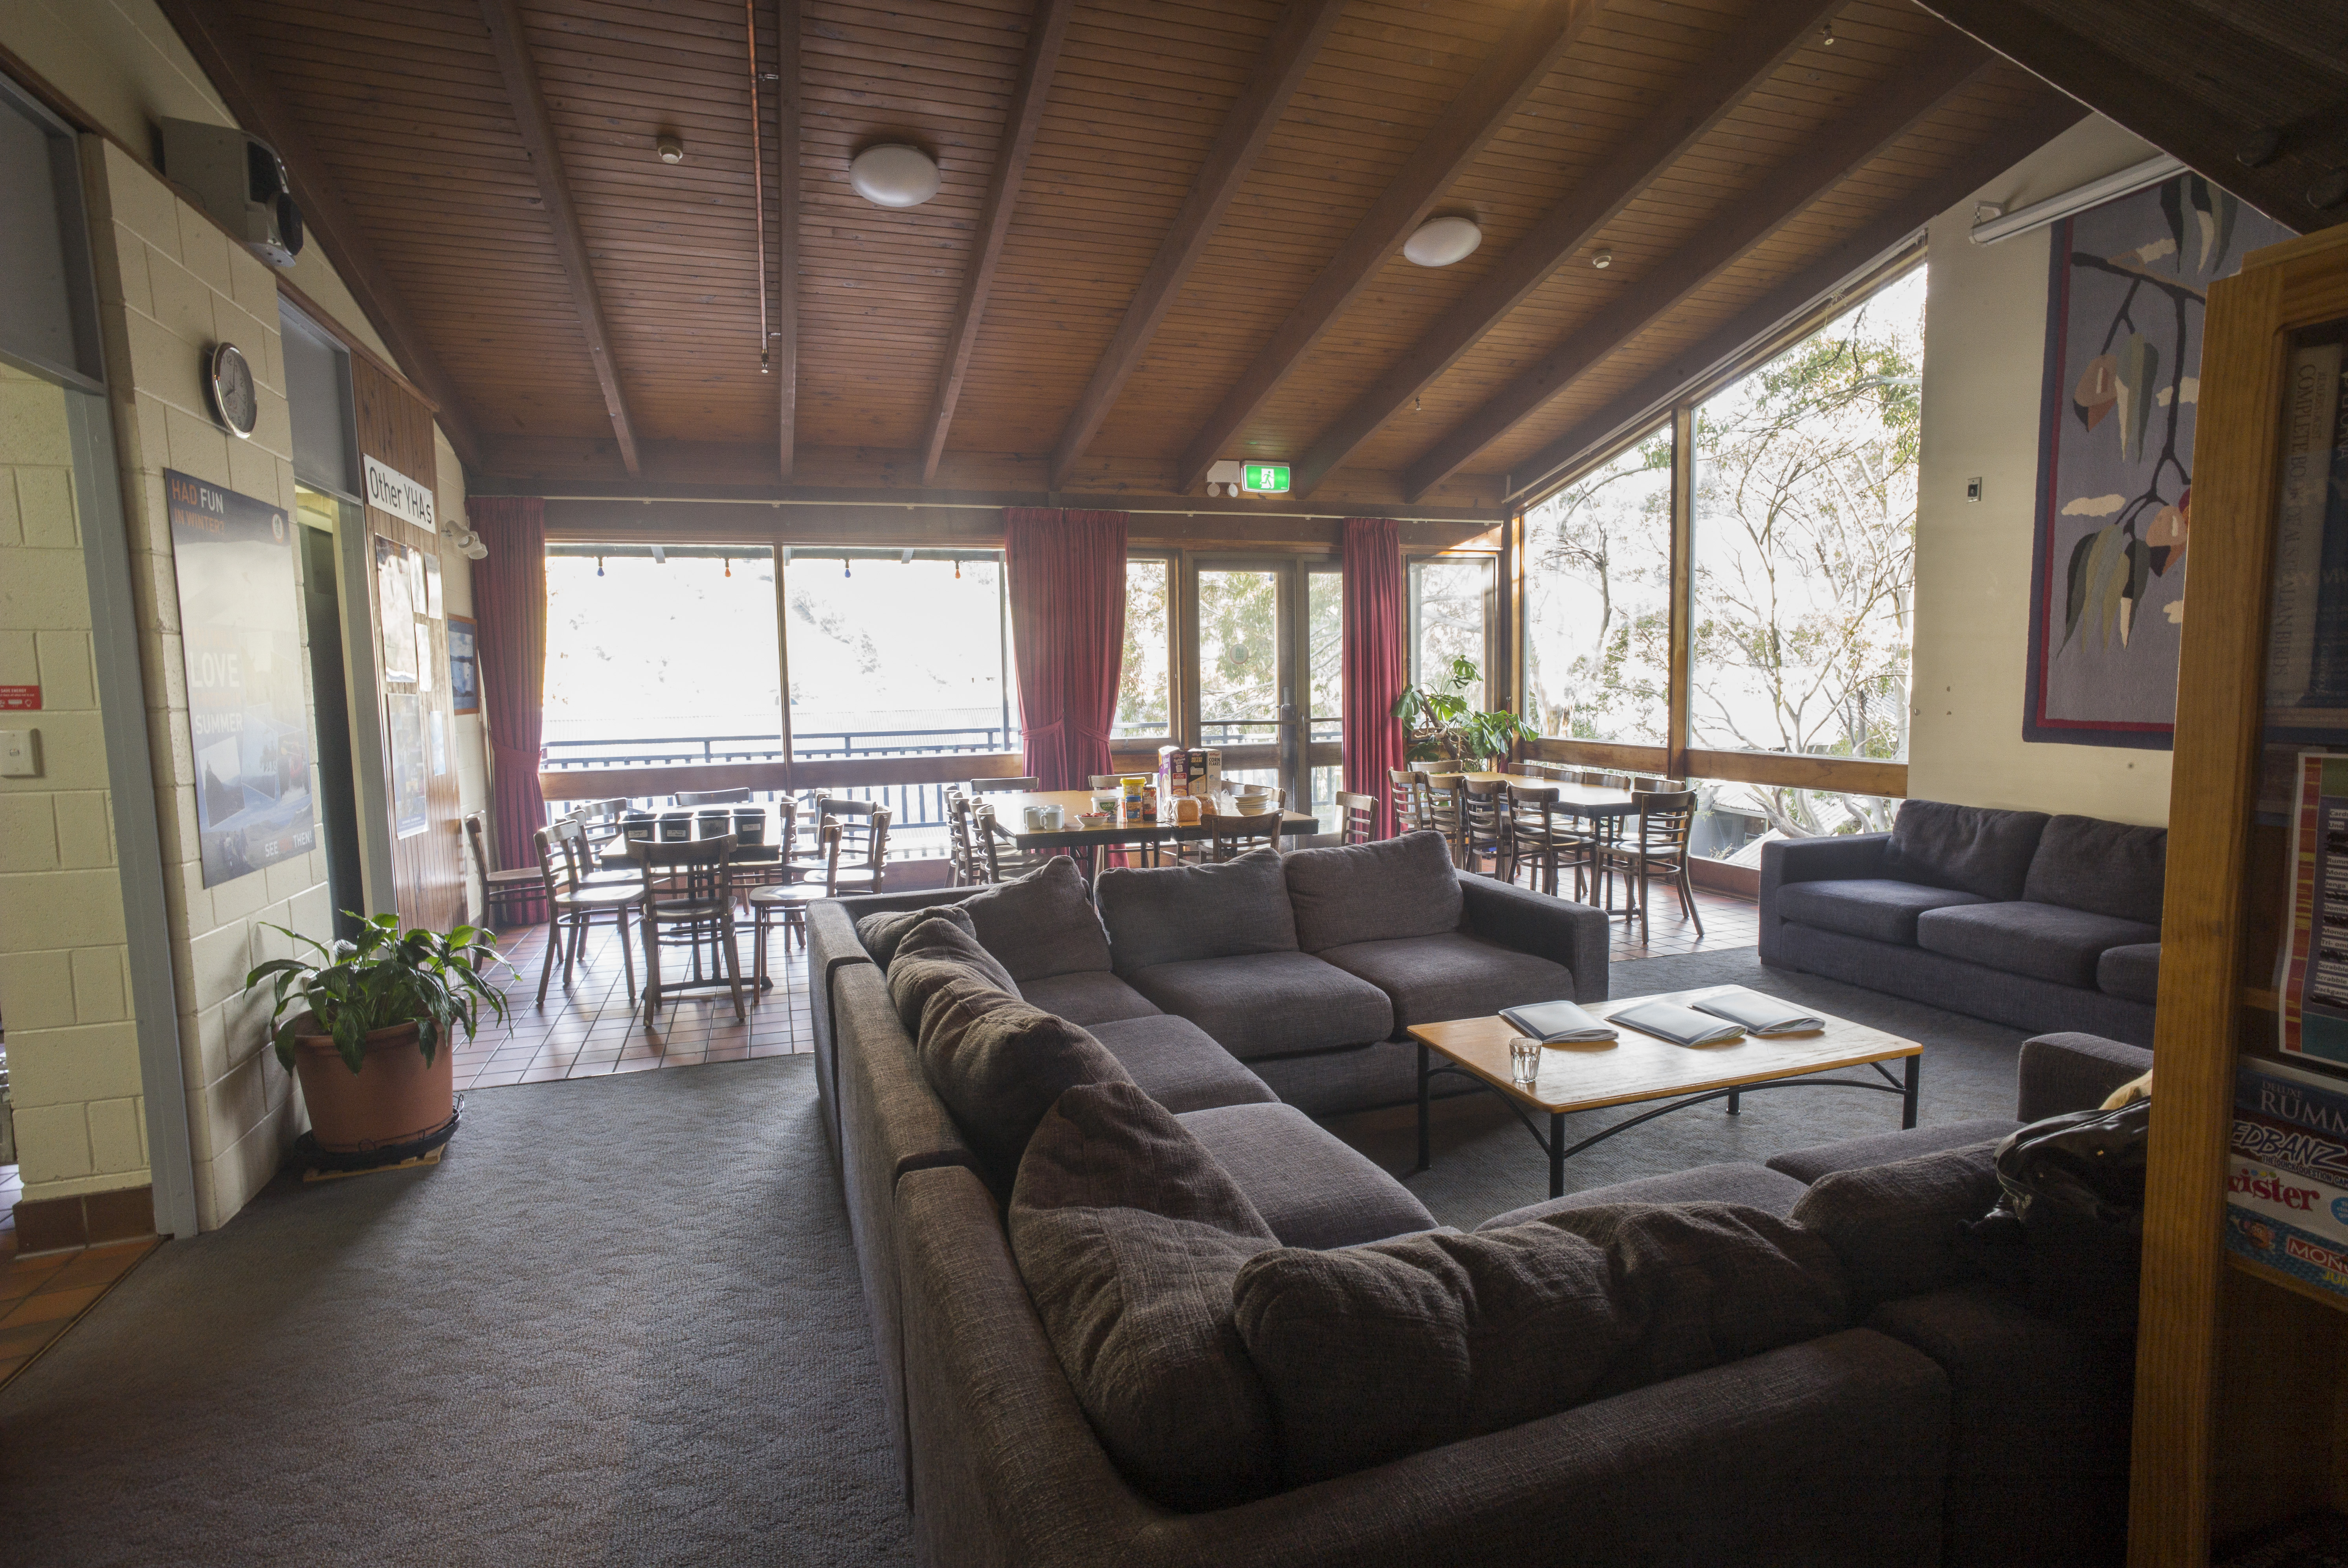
(687, 901)
(961, 865)
(868, 874)
(1656, 840)
(1544, 840)
(1410, 810)
(577, 908)
(515, 890)
(1228, 837)
(854, 817)
(571, 831)
(788, 903)
(1357, 818)
(1483, 808)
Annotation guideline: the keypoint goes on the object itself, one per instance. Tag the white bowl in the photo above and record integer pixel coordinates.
(1094, 818)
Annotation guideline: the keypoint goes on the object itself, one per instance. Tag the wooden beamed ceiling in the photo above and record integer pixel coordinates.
(1165, 234)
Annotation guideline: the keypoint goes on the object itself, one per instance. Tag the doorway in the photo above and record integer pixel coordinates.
(1270, 687)
(321, 515)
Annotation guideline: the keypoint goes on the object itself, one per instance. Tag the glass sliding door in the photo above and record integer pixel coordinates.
(1270, 669)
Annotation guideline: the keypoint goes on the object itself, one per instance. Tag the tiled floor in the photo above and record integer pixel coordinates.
(591, 1027)
(41, 1297)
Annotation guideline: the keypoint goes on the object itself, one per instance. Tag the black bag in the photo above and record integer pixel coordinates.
(2069, 1226)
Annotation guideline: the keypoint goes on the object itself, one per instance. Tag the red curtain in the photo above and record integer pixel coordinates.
(1067, 636)
(509, 602)
(1375, 673)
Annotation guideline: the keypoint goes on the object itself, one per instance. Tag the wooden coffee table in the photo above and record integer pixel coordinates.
(1639, 1067)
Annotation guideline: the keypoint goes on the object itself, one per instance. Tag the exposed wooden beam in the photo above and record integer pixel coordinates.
(503, 19)
(1524, 56)
(1832, 155)
(784, 346)
(220, 49)
(1295, 39)
(2147, 73)
(1046, 31)
(1762, 43)
(1752, 329)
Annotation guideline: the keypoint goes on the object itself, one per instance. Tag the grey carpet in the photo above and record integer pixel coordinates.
(1485, 1163)
(619, 1324)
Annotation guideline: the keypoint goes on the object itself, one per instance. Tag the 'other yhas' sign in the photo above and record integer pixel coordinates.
(389, 490)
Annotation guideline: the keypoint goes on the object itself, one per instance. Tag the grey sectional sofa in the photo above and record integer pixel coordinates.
(1883, 1438)
(2041, 922)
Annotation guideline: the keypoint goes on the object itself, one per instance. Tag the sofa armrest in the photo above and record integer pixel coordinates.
(1559, 929)
(1835, 857)
(2060, 1073)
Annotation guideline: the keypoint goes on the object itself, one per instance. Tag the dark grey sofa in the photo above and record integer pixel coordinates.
(2044, 923)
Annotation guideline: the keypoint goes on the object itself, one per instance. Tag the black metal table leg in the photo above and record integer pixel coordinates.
(1557, 1153)
(1423, 1160)
(1915, 1077)
(1736, 1103)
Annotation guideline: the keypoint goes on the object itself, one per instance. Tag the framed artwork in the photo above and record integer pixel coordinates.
(464, 665)
(2126, 285)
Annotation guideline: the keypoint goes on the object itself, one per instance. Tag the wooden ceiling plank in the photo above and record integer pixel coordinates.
(527, 99)
(220, 50)
(1761, 44)
(1046, 31)
(790, 92)
(1279, 72)
(1524, 56)
(2017, 137)
(2165, 113)
(1741, 224)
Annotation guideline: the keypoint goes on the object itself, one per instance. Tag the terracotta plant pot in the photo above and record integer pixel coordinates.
(395, 1098)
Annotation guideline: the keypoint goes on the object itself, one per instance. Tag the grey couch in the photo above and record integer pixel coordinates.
(2040, 922)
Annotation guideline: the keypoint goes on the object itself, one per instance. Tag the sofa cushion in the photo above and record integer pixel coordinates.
(1732, 1182)
(1129, 1236)
(1265, 1004)
(1807, 1165)
(2043, 941)
(1167, 914)
(1178, 1065)
(2105, 867)
(1879, 910)
(1087, 996)
(1000, 1071)
(1381, 891)
(1042, 924)
(2131, 971)
(1310, 1189)
(1971, 848)
(1895, 1227)
(1450, 975)
(880, 932)
(1372, 1353)
(933, 953)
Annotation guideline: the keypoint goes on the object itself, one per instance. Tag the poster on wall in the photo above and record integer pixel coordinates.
(248, 713)
(409, 810)
(2126, 285)
(397, 605)
(464, 665)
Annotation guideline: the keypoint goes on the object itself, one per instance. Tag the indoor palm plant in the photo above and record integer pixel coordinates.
(377, 1018)
(1442, 727)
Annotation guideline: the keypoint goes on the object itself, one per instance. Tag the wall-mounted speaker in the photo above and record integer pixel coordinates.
(239, 180)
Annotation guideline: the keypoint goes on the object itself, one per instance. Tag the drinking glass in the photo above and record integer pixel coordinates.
(1524, 1060)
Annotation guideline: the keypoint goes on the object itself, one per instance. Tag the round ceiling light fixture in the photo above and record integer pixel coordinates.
(1442, 240)
(670, 149)
(894, 175)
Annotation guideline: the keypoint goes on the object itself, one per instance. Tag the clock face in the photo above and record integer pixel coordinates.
(232, 395)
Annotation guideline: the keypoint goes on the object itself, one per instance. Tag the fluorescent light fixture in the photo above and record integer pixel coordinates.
(2096, 192)
(893, 174)
(1442, 240)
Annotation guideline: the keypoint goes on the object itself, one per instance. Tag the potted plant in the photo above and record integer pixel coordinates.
(377, 1016)
(1441, 727)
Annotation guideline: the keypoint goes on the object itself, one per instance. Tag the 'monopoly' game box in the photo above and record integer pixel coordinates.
(2287, 1180)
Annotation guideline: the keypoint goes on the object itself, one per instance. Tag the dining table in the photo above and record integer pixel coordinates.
(1011, 810)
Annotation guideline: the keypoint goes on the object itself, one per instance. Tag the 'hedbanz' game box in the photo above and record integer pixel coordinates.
(2286, 1179)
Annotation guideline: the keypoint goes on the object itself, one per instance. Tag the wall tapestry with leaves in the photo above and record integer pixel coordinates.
(2126, 285)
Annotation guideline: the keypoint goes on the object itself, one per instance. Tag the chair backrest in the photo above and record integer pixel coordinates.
(985, 843)
(958, 843)
(697, 872)
(1666, 817)
(1357, 816)
(712, 796)
(1235, 835)
(830, 846)
(1439, 802)
(573, 861)
(1532, 811)
(1482, 806)
(876, 846)
(549, 858)
(1104, 781)
(999, 787)
(476, 841)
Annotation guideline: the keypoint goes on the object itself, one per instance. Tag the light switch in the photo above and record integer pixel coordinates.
(1974, 488)
(20, 754)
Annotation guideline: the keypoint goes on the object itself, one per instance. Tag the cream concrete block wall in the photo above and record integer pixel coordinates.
(170, 286)
(73, 1043)
(1985, 335)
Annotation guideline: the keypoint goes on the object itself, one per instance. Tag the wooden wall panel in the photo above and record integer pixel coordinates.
(428, 865)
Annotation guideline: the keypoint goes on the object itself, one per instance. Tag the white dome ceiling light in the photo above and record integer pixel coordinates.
(894, 175)
(1442, 240)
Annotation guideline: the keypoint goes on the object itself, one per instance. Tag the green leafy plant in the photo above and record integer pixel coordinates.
(1442, 727)
(383, 979)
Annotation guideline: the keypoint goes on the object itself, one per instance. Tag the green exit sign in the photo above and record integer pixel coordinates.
(1264, 478)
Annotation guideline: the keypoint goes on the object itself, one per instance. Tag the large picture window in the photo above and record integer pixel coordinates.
(1450, 618)
(1145, 688)
(1598, 601)
(898, 653)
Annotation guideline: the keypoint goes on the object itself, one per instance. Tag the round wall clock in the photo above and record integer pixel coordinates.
(233, 398)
